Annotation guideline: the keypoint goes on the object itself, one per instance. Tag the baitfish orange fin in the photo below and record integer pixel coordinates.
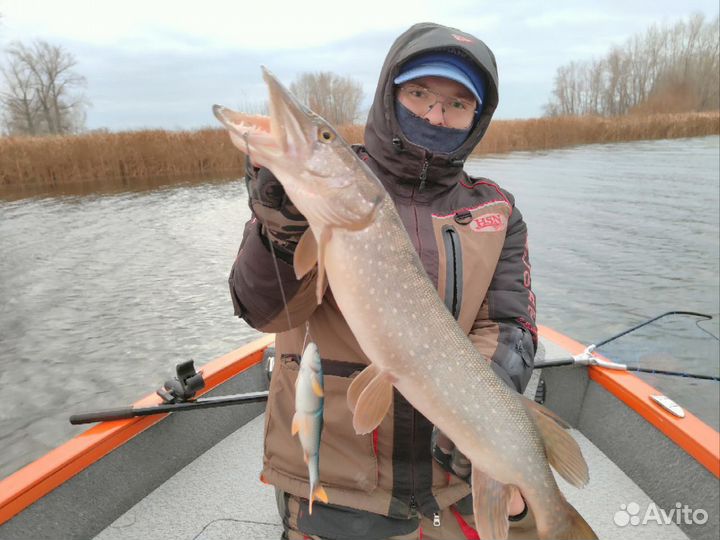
(296, 424)
(306, 254)
(491, 505)
(317, 494)
(358, 384)
(317, 389)
(562, 451)
(373, 404)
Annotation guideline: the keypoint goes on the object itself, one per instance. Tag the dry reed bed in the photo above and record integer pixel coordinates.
(545, 133)
(102, 157)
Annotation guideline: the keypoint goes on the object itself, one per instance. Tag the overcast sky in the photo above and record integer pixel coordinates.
(163, 63)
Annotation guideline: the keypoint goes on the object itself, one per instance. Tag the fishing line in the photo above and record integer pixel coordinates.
(282, 291)
(588, 359)
(253, 176)
(234, 520)
(307, 335)
(708, 332)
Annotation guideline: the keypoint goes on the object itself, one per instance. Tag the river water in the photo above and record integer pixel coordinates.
(102, 294)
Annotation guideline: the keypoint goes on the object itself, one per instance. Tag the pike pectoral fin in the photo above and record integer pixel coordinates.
(325, 235)
(306, 254)
(373, 402)
(310, 252)
(562, 450)
(491, 505)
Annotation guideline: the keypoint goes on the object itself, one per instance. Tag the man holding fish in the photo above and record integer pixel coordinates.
(384, 473)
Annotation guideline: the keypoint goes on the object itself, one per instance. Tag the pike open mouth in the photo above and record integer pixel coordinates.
(287, 132)
(251, 134)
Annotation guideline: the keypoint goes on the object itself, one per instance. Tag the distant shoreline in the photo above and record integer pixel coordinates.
(34, 163)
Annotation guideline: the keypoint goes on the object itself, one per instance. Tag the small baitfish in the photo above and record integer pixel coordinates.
(308, 420)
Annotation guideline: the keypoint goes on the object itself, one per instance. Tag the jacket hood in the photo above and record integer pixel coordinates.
(384, 139)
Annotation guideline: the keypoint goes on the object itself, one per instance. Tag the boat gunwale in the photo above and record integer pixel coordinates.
(31, 483)
(690, 433)
(26, 486)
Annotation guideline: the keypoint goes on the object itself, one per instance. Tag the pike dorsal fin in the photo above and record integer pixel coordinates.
(491, 505)
(562, 450)
(374, 393)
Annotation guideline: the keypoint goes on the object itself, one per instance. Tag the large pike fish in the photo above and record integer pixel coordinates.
(360, 246)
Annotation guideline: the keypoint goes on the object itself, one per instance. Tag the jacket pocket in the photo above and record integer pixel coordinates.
(347, 460)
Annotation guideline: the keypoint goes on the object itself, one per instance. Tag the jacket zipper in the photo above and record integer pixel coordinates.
(417, 222)
(423, 172)
(413, 501)
(453, 269)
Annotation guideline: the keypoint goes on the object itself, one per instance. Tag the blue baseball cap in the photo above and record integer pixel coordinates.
(448, 65)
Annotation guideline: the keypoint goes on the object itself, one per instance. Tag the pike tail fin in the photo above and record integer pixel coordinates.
(491, 505)
(574, 527)
(317, 493)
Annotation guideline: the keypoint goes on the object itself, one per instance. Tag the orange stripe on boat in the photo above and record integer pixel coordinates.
(31, 483)
(690, 433)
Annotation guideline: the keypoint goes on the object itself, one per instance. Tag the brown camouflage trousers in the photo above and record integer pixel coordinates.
(451, 525)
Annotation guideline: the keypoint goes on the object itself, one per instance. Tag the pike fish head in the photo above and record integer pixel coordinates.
(320, 172)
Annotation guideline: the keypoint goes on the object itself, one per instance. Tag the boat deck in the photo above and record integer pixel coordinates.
(219, 495)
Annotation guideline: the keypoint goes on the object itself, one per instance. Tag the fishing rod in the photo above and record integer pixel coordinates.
(178, 395)
(587, 358)
(123, 413)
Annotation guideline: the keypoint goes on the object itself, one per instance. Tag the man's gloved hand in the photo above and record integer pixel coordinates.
(280, 221)
(451, 459)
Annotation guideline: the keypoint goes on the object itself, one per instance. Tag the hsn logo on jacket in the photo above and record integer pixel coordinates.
(489, 223)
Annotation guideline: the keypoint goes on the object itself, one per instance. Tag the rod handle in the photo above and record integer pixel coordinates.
(102, 416)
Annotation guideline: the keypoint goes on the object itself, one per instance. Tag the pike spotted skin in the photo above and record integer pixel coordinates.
(394, 311)
(358, 240)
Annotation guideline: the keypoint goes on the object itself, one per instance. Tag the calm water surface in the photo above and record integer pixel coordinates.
(100, 295)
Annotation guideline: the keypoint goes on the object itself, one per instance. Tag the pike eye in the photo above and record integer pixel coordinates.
(326, 136)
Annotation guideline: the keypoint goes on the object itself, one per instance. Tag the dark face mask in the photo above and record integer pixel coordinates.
(436, 139)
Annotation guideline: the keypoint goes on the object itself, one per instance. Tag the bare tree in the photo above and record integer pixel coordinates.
(42, 94)
(673, 68)
(335, 98)
(20, 107)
